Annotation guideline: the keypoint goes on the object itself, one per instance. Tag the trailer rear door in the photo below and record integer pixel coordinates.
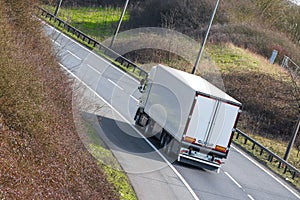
(201, 119)
(220, 133)
(212, 122)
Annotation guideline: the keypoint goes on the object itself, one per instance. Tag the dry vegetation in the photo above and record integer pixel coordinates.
(41, 156)
(258, 25)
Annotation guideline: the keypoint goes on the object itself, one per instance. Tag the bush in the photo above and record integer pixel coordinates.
(260, 26)
(181, 15)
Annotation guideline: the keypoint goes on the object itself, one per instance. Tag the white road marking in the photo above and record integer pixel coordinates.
(115, 84)
(157, 151)
(227, 174)
(267, 172)
(233, 180)
(134, 98)
(56, 42)
(94, 69)
(108, 63)
(74, 55)
(250, 197)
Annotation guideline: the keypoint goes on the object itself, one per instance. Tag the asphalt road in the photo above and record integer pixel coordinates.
(151, 176)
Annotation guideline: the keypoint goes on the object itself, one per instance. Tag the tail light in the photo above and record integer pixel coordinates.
(220, 148)
(189, 139)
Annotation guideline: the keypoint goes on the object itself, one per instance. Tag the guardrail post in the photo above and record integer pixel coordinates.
(270, 159)
(279, 164)
(237, 135)
(294, 175)
(261, 151)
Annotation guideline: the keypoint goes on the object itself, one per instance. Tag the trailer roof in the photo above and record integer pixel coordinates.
(200, 85)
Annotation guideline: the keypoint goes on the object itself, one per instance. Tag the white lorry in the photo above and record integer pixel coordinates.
(193, 119)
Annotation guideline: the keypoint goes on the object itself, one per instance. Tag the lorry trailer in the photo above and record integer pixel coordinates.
(193, 120)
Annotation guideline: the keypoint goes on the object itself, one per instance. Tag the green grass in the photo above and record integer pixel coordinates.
(99, 23)
(232, 59)
(110, 165)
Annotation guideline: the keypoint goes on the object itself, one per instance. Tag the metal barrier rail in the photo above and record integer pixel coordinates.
(287, 167)
(291, 65)
(115, 58)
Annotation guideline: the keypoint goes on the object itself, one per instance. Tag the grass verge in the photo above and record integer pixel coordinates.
(98, 22)
(107, 161)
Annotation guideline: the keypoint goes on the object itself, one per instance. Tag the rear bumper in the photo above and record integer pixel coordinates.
(203, 150)
(198, 162)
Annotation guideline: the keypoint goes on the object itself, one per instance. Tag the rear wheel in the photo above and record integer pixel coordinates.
(137, 117)
(141, 119)
(163, 139)
(169, 145)
(149, 129)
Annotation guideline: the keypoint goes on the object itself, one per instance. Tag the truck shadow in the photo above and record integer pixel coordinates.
(119, 136)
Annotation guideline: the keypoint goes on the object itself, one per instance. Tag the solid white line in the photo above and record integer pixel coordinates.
(263, 169)
(250, 197)
(115, 84)
(233, 180)
(169, 164)
(74, 55)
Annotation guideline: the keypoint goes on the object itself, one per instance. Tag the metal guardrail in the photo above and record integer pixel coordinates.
(272, 157)
(291, 65)
(115, 58)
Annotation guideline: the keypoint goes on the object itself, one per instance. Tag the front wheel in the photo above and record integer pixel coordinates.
(137, 117)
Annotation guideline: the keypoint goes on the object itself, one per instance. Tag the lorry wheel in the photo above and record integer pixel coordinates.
(137, 117)
(149, 129)
(167, 142)
(171, 151)
(163, 139)
(169, 145)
